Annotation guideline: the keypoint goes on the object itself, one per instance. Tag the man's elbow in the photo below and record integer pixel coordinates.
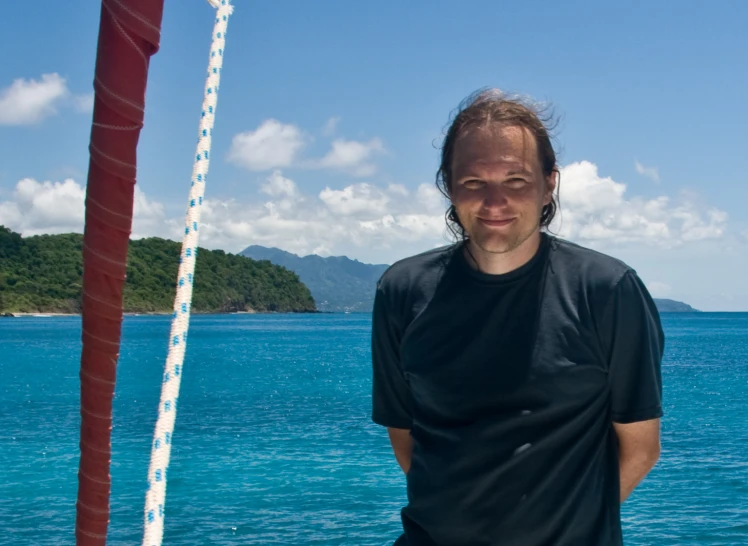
(646, 457)
(653, 454)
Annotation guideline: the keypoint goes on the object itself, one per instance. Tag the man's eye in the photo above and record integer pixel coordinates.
(517, 182)
(472, 184)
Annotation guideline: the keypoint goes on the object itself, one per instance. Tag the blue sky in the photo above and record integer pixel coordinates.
(329, 113)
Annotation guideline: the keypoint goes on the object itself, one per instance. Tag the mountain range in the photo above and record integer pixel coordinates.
(339, 284)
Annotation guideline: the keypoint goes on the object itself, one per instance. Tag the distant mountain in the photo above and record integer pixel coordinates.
(341, 284)
(672, 306)
(337, 283)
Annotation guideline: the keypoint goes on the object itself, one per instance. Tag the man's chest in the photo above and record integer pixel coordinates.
(469, 353)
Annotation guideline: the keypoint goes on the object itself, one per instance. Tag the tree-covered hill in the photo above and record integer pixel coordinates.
(43, 274)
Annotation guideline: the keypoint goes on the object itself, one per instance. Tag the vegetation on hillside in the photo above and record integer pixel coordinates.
(43, 274)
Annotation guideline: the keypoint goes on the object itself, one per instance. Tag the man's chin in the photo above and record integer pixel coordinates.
(495, 243)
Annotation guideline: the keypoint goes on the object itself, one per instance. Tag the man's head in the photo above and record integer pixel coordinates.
(499, 172)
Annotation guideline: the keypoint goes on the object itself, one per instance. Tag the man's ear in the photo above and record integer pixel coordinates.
(551, 182)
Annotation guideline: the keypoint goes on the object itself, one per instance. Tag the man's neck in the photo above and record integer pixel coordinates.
(493, 263)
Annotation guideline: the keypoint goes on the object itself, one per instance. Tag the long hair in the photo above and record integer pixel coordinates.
(489, 106)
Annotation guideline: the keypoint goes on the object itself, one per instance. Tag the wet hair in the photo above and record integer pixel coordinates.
(489, 106)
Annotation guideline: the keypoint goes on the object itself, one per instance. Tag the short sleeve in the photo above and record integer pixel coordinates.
(634, 342)
(391, 397)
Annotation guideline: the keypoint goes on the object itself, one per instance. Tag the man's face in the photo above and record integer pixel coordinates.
(498, 186)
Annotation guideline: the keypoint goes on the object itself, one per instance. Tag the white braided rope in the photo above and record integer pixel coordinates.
(155, 498)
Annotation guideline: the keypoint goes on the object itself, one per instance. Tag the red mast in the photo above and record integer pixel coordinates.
(129, 33)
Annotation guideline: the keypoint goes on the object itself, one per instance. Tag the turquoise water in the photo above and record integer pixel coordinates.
(273, 442)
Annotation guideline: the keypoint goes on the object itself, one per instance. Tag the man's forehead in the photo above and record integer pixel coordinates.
(497, 146)
(510, 164)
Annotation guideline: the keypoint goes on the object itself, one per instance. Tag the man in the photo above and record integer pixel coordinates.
(518, 374)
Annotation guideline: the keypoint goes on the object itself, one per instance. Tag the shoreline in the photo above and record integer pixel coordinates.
(159, 314)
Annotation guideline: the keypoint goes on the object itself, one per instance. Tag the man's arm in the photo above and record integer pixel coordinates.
(402, 445)
(638, 452)
(634, 341)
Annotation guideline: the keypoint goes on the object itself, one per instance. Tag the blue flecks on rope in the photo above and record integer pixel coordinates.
(157, 472)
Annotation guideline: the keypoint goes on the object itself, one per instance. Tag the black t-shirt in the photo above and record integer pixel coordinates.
(510, 385)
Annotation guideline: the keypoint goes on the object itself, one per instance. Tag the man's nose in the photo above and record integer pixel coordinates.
(495, 196)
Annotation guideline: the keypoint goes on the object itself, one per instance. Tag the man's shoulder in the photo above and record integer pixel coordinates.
(586, 264)
(406, 272)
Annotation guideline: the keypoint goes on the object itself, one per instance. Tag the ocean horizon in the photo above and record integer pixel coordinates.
(274, 443)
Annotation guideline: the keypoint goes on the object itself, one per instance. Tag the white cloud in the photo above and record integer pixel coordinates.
(361, 200)
(594, 210)
(284, 190)
(278, 185)
(26, 102)
(84, 103)
(44, 207)
(352, 157)
(270, 146)
(398, 189)
(650, 172)
(338, 222)
(430, 199)
(275, 145)
(59, 207)
(330, 126)
(149, 219)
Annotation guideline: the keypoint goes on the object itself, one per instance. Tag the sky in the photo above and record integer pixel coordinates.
(330, 115)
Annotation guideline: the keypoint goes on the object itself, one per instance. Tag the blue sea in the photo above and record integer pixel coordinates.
(274, 444)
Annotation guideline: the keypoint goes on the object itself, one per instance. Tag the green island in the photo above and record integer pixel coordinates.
(43, 274)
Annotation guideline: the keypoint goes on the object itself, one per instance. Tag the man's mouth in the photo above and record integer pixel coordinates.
(496, 222)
